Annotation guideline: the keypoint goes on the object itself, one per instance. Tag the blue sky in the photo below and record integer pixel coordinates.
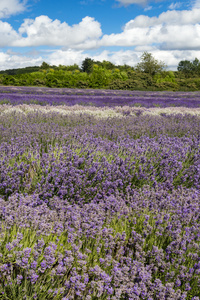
(66, 32)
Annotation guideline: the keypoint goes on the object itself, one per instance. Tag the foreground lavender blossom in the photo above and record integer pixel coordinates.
(117, 247)
(99, 209)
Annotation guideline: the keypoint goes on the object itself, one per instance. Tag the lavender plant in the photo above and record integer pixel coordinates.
(99, 209)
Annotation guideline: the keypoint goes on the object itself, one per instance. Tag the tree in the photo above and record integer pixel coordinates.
(185, 66)
(73, 67)
(107, 65)
(196, 66)
(45, 66)
(149, 64)
(87, 65)
(189, 68)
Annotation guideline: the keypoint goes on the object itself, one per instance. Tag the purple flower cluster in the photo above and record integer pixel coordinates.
(146, 247)
(99, 209)
(80, 158)
(65, 96)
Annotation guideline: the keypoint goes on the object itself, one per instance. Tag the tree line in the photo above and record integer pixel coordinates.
(148, 74)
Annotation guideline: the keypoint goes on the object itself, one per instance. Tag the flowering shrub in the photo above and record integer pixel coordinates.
(99, 208)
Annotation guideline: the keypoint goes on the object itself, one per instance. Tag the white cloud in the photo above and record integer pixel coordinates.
(69, 57)
(12, 61)
(7, 34)
(170, 30)
(11, 7)
(175, 5)
(45, 31)
(129, 57)
(66, 57)
(169, 17)
(171, 37)
(196, 4)
(148, 8)
(121, 57)
(42, 31)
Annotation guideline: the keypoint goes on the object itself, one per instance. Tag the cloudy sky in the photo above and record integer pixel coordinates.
(66, 32)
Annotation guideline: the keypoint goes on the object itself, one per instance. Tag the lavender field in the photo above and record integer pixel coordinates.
(100, 98)
(99, 194)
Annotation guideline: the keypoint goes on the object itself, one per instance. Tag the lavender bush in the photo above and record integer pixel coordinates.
(96, 208)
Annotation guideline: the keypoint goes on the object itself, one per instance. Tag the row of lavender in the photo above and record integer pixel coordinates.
(47, 96)
(52, 154)
(94, 209)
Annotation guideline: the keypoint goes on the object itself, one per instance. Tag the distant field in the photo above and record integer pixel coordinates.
(99, 194)
(63, 96)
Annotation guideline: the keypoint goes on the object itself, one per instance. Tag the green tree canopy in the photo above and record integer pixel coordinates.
(149, 64)
(189, 67)
(87, 65)
(45, 66)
